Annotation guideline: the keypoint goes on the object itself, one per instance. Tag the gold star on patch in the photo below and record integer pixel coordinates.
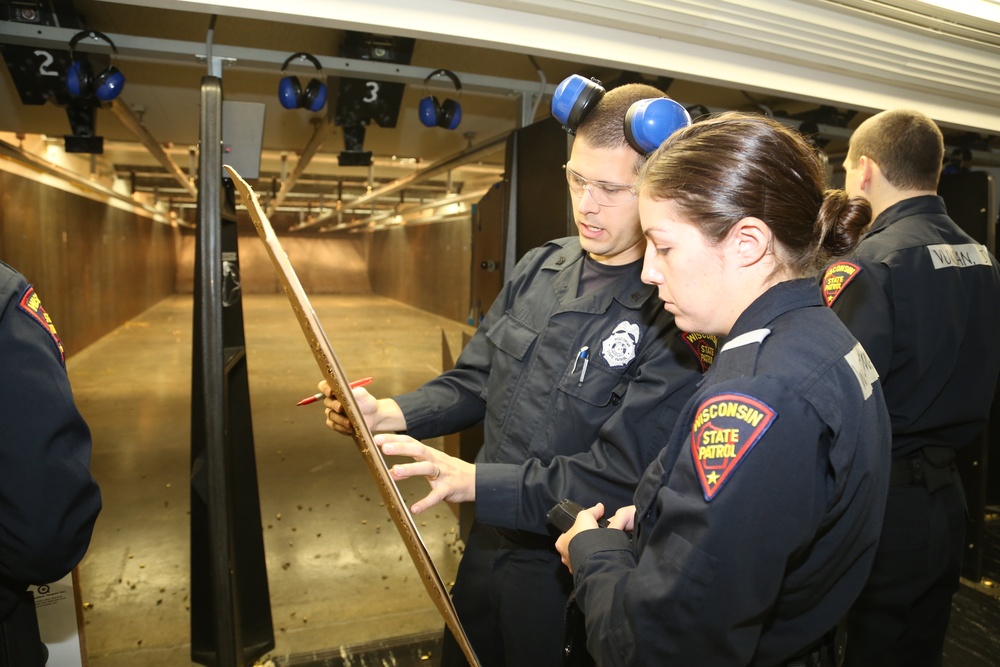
(712, 477)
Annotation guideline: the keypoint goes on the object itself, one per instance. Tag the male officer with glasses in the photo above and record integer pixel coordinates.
(578, 374)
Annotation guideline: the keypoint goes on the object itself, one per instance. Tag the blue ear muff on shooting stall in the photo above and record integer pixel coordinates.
(574, 98)
(649, 122)
(291, 93)
(447, 114)
(81, 81)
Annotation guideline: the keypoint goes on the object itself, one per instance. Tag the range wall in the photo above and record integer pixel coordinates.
(94, 265)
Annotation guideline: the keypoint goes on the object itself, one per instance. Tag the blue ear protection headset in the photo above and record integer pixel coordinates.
(290, 91)
(648, 122)
(574, 98)
(447, 114)
(80, 79)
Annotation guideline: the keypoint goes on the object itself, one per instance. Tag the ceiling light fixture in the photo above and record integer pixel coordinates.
(986, 10)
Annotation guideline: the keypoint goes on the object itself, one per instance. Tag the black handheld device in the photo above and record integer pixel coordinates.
(563, 515)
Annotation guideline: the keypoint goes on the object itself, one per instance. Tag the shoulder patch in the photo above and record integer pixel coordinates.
(726, 427)
(32, 305)
(703, 346)
(836, 278)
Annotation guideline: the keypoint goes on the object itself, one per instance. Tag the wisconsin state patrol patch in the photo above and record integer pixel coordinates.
(703, 346)
(836, 278)
(726, 427)
(32, 305)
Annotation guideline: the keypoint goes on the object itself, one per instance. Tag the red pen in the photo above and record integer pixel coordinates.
(318, 397)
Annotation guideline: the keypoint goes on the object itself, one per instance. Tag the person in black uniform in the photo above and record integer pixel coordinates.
(756, 526)
(577, 374)
(924, 300)
(48, 499)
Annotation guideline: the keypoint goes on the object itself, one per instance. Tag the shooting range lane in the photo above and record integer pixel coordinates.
(338, 572)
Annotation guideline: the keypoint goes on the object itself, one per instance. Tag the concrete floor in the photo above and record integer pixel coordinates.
(338, 573)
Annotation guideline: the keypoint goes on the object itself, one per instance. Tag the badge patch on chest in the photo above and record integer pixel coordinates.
(703, 346)
(619, 348)
(32, 305)
(725, 429)
(836, 278)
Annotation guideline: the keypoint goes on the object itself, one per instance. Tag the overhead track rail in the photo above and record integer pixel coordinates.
(193, 53)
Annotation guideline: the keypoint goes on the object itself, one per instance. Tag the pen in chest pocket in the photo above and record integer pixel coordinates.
(584, 356)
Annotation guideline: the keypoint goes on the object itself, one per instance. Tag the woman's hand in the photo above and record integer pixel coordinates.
(624, 519)
(585, 520)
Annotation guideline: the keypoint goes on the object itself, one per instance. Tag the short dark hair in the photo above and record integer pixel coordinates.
(604, 126)
(906, 145)
(737, 165)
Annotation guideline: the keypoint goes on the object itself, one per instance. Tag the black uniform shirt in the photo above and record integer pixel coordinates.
(924, 299)
(756, 526)
(553, 430)
(48, 500)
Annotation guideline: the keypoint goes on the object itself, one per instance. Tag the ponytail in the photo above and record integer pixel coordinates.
(839, 225)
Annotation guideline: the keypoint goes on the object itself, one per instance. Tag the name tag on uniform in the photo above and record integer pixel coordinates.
(946, 256)
(864, 369)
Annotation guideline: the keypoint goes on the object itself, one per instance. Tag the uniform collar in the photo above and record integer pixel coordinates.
(567, 264)
(923, 205)
(776, 301)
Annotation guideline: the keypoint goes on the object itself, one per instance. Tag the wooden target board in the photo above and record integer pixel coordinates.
(334, 374)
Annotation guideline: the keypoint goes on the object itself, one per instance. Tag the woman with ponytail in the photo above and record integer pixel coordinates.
(756, 527)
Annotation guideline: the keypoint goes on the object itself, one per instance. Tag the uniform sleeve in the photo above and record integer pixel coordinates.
(456, 399)
(866, 306)
(519, 496)
(708, 572)
(48, 499)
(452, 401)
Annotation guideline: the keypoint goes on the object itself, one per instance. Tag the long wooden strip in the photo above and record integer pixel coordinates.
(334, 374)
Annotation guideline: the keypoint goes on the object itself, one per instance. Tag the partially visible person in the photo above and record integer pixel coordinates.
(48, 499)
(578, 375)
(924, 300)
(755, 528)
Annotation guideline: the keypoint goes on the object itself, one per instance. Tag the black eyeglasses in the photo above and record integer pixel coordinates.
(604, 193)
